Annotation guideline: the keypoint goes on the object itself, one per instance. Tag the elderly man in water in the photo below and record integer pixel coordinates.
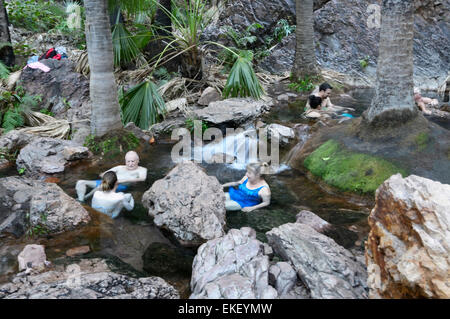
(129, 173)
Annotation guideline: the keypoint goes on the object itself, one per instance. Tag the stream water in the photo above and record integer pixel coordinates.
(128, 236)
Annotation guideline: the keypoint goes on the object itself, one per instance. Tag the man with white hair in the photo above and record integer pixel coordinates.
(129, 173)
(423, 102)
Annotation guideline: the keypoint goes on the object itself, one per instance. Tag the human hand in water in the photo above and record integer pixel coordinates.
(247, 209)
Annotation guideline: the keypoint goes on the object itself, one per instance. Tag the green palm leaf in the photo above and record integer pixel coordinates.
(124, 45)
(242, 80)
(4, 72)
(142, 105)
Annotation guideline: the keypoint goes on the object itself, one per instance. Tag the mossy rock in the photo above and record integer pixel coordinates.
(350, 171)
(113, 143)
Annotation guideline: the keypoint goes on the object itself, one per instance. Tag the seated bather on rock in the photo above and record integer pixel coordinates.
(107, 200)
(319, 104)
(127, 174)
(252, 193)
(424, 102)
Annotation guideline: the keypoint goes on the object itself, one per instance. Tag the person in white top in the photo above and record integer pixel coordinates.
(107, 201)
(129, 173)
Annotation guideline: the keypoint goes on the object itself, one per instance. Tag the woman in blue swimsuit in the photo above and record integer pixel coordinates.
(252, 193)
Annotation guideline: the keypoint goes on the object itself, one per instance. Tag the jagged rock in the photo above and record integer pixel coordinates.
(87, 279)
(166, 127)
(327, 269)
(280, 132)
(232, 267)
(32, 256)
(283, 277)
(312, 220)
(194, 214)
(15, 140)
(209, 95)
(177, 104)
(44, 155)
(4, 163)
(28, 203)
(137, 131)
(235, 110)
(408, 248)
(61, 88)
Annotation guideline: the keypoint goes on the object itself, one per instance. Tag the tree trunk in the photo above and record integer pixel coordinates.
(305, 63)
(6, 51)
(103, 89)
(394, 99)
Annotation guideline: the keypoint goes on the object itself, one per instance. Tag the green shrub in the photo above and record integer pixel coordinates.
(305, 84)
(283, 29)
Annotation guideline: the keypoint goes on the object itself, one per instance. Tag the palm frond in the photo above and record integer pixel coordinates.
(242, 80)
(12, 119)
(124, 45)
(142, 105)
(4, 72)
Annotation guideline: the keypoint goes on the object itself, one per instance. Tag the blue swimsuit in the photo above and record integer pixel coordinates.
(245, 197)
(120, 187)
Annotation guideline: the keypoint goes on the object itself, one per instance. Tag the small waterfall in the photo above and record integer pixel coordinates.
(302, 132)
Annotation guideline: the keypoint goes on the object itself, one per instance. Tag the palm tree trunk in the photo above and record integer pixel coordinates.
(6, 51)
(394, 101)
(305, 63)
(103, 89)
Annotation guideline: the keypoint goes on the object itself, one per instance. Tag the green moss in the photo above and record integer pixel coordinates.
(112, 145)
(349, 171)
(422, 141)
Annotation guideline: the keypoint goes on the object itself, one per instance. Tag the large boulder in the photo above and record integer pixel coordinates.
(408, 248)
(189, 203)
(37, 206)
(87, 279)
(327, 269)
(45, 155)
(233, 111)
(232, 267)
(61, 88)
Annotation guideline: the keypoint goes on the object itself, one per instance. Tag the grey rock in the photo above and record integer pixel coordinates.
(312, 220)
(232, 267)
(209, 95)
(283, 276)
(61, 88)
(44, 155)
(87, 279)
(327, 269)
(137, 131)
(194, 214)
(280, 132)
(28, 203)
(235, 111)
(32, 256)
(15, 140)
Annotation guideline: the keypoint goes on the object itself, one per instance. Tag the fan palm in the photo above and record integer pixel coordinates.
(242, 80)
(142, 105)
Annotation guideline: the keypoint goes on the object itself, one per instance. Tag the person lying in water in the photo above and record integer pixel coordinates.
(107, 201)
(129, 173)
(253, 191)
(423, 102)
(319, 103)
